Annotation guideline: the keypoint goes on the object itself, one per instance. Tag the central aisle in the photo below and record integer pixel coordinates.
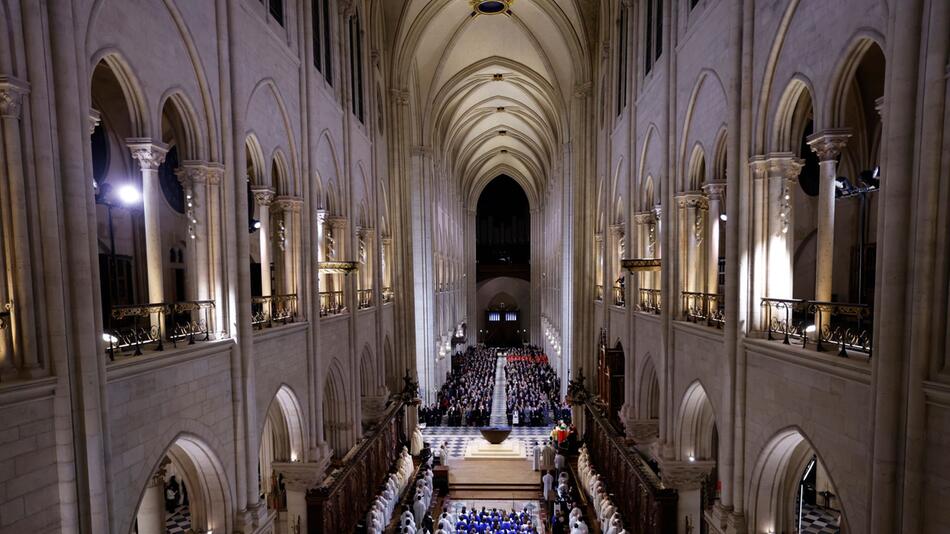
(499, 400)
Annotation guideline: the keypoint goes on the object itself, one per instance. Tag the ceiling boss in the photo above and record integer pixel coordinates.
(491, 7)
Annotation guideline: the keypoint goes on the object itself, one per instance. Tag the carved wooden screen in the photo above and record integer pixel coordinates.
(345, 497)
(646, 506)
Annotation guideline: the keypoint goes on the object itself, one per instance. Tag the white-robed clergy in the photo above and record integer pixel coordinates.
(548, 480)
(416, 441)
(579, 527)
(419, 509)
(536, 457)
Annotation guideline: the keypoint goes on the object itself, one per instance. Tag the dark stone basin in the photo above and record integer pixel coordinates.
(495, 435)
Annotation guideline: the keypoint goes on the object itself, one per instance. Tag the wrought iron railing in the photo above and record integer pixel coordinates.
(191, 320)
(260, 311)
(364, 298)
(387, 294)
(599, 292)
(703, 308)
(619, 296)
(136, 326)
(650, 300)
(331, 303)
(266, 310)
(826, 324)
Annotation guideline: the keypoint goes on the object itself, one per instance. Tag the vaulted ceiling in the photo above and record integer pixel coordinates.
(492, 91)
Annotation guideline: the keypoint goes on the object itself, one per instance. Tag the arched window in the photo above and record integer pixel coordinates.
(653, 34)
(622, 48)
(322, 52)
(276, 10)
(356, 67)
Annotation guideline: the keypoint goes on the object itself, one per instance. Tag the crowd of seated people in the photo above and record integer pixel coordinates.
(465, 398)
(494, 521)
(533, 388)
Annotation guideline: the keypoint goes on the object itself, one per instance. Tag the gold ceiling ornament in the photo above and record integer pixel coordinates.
(344, 267)
(491, 7)
(641, 265)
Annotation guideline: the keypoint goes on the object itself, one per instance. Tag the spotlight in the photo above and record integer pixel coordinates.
(723, 217)
(810, 328)
(128, 194)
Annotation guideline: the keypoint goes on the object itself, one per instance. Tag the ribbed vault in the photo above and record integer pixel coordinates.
(493, 90)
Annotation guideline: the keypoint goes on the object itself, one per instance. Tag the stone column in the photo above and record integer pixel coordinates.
(16, 238)
(646, 242)
(694, 232)
(193, 177)
(151, 513)
(613, 259)
(827, 145)
(212, 234)
(298, 478)
(599, 264)
(657, 230)
(336, 224)
(686, 478)
(368, 271)
(150, 156)
(386, 262)
(715, 193)
(290, 212)
(783, 170)
(758, 244)
(264, 196)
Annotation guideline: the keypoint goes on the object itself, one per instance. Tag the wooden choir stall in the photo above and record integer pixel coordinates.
(345, 495)
(645, 504)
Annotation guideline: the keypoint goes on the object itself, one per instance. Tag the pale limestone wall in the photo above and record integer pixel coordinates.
(936, 482)
(827, 402)
(29, 474)
(280, 359)
(150, 406)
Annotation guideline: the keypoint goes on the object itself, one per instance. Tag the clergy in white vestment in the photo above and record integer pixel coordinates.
(548, 480)
(419, 509)
(536, 457)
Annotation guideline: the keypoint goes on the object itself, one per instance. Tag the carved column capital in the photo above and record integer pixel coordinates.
(11, 96)
(715, 190)
(691, 199)
(685, 475)
(784, 165)
(365, 232)
(828, 144)
(263, 195)
(191, 173)
(148, 153)
(300, 476)
(644, 217)
(642, 430)
(616, 230)
(289, 203)
(336, 222)
(759, 166)
(215, 173)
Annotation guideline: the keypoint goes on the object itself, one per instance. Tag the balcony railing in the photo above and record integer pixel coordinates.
(649, 301)
(267, 310)
(703, 308)
(387, 294)
(364, 298)
(619, 296)
(826, 324)
(135, 326)
(331, 303)
(599, 292)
